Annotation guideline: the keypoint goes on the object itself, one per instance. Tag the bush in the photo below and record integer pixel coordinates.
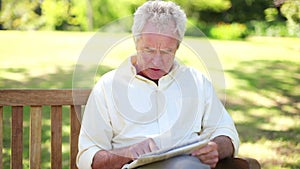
(196, 28)
(291, 10)
(262, 28)
(228, 31)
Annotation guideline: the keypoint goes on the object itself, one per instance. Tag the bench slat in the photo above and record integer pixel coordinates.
(1, 137)
(56, 137)
(21, 97)
(35, 137)
(75, 117)
(17, 137)
(238, 163)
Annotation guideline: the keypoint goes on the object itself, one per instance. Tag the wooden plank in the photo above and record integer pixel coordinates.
(17, 137)
(238, 163)
(56, 137)
(1, 136)
(35, 137)
(75, 117)
(21, 97)
(252, 163)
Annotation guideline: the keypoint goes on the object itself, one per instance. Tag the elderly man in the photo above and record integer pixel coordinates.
(152, 102)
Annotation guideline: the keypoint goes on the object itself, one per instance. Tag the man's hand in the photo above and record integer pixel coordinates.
(116, 158)
(219, 148)
(141, 148)
(208, 154)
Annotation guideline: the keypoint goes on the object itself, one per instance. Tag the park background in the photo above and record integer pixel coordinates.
(257, 42)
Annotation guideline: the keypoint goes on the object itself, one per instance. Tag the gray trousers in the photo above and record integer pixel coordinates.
(179, 162)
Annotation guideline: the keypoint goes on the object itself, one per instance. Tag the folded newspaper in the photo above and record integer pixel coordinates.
(162, 154)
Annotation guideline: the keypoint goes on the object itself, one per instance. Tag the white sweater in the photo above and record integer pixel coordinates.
(125, 108)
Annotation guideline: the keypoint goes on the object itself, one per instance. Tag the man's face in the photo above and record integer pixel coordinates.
(156, 53)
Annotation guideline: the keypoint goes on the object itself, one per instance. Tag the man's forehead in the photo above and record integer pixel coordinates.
(154, 40)
(154, 30)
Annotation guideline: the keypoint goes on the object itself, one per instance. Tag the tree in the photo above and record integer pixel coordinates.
(64, 15)
(43, 14)
(1, 27)
(203, 10)
(106, 11)
(247, 10)
(89, 13)
(20, 15)
(291, 10)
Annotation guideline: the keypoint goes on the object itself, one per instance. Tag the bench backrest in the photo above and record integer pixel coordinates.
(36, 99)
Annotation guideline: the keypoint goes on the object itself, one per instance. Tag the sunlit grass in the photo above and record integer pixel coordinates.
(273, 154)
(262, 84)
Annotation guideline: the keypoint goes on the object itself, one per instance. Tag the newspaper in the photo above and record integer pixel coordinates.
(162, 154)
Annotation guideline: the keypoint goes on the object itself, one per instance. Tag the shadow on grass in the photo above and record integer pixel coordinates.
(59, 79)
(267, 89)
(277, 81)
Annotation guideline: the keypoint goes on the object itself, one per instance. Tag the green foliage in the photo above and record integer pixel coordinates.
(212, 5)
(54, 13)
(79, 10)
(64, 15)
(203, 10)
(271, 14)
(262, 28)
(106, 11)
(196, 28)
(262, 17)
(20, 15)
(46, 14)
(246, 10)
(291, 10)
(228, 31)
(193, 6)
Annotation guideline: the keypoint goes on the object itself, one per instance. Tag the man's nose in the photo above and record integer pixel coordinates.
(157, 60)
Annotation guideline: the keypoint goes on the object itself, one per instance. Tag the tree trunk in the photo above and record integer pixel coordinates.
(89, 10)
(1, 26)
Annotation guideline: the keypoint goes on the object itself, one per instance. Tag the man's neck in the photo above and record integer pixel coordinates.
(155, 81)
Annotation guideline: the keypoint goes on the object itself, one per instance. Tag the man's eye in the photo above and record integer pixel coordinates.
(149, 51)
(165, 52)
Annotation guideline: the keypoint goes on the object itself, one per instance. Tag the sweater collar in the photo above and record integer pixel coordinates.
(162, 82)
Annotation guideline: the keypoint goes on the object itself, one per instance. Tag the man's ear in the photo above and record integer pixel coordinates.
(178, 45)
(136, 41)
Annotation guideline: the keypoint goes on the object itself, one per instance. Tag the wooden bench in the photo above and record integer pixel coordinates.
(57, 99)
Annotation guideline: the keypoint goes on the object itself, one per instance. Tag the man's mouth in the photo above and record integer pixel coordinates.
(154, 69)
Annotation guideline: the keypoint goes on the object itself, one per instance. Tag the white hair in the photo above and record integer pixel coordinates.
(161, 14)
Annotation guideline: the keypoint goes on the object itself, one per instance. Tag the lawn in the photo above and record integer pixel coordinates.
(262, 84)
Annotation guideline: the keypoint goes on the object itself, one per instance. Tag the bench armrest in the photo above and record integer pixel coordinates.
(238, 163)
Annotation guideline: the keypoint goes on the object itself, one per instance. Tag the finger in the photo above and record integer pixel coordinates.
(146, 146)
(142, 150)
(133, 154)
(204, 150)
(208, 158)
(152, 145)
(212, 162)
(136, 150)
(210, 155)
(213, 145)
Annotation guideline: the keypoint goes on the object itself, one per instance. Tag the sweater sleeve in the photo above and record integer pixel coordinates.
(96, 131)
(216, 120)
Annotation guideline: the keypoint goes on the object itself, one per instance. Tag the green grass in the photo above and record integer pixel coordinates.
(262, 86)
